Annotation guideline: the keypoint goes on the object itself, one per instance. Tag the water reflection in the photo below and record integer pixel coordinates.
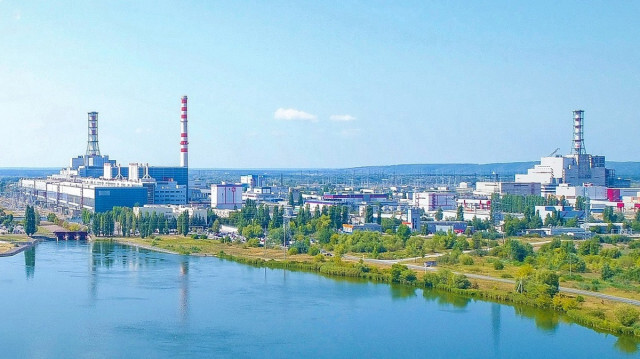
(626, 345)
(106, 254)
(30, 262)
(546, 320)
(402, 291)
(444, 298)
(184, 290)
(495, 325)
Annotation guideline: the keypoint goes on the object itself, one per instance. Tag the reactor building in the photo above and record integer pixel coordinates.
(575, 169)
(96, 183)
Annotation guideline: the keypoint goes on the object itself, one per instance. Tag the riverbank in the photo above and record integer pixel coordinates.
(589, 309)
(14, 246)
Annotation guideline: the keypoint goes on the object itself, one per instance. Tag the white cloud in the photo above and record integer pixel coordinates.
(342, 118)
(291, 114)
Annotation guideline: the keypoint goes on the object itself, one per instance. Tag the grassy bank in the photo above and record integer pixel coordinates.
(6, 247)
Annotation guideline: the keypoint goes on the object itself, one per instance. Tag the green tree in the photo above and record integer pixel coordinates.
(30, 221)
(606, 273)
(291, 203)
(183, 223)
(300, 199)
(439, 214)
(404, 232)
(215, 227)
(460, 214)
(368, 216)
(86, 216)
(51, 217)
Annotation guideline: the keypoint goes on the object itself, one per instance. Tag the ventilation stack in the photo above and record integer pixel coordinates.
(93, 150)
(578, 133)
(184, 141)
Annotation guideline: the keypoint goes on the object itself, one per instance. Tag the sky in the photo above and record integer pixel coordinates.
(317, 84)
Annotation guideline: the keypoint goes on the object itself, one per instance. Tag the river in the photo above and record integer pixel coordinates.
(103, 300)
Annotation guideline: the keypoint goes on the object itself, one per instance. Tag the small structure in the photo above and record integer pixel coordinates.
(64, 235)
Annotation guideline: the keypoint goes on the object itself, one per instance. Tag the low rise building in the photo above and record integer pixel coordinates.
(226, 196)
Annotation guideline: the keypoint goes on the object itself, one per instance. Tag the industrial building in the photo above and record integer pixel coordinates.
(226, 196)
(432, 201)
(87, 193)
(513, 188)
(576, 169)
(252, 181)
(97, 183)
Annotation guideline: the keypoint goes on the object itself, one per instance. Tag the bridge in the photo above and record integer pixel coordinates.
(65, 235)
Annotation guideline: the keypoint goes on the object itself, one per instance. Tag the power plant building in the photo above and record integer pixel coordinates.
(97, 183)
(576, 169)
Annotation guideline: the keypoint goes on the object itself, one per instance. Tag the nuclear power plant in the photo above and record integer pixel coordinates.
(97, 183)
(575, 169)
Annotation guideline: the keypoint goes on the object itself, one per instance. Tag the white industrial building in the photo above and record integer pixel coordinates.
(253, 180)
(226, 196)
(432, 201)
(576, 169)
(514, 188)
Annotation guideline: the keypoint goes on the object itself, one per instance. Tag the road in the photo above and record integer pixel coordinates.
(494, 279)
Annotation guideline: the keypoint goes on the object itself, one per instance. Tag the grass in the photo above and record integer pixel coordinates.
(5, 247)
(15, 238)
(188, 245)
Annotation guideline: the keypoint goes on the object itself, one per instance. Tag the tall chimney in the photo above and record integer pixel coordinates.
(184, 141)
(92, 141)
(578, 132)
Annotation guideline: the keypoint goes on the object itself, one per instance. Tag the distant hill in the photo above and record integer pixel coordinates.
(623, 169)
(503, 169)
(27, 172)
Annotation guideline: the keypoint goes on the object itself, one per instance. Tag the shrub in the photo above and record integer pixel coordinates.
(253, 242)
(314, 250)
(598, 313)
(626, 315)
(466, 260)
(497, 265)
(460, 281)
(292, 251)
(430, 280)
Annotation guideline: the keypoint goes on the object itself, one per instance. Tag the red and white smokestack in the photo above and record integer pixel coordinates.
(184, 140)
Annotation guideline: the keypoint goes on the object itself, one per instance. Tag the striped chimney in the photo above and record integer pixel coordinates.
(184, 141)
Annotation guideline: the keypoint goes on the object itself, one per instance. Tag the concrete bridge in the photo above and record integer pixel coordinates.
(65, 235)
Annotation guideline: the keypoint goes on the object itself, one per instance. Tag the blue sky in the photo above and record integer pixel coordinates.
(318, 83)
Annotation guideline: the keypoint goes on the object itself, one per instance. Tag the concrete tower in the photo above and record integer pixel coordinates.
(184, 140)
(578, 133)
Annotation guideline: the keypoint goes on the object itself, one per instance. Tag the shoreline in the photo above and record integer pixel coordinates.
(22, 246)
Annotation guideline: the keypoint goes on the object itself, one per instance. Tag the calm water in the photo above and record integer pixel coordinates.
(78, 300)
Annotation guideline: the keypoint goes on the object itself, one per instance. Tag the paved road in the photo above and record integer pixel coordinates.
(502, 280)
